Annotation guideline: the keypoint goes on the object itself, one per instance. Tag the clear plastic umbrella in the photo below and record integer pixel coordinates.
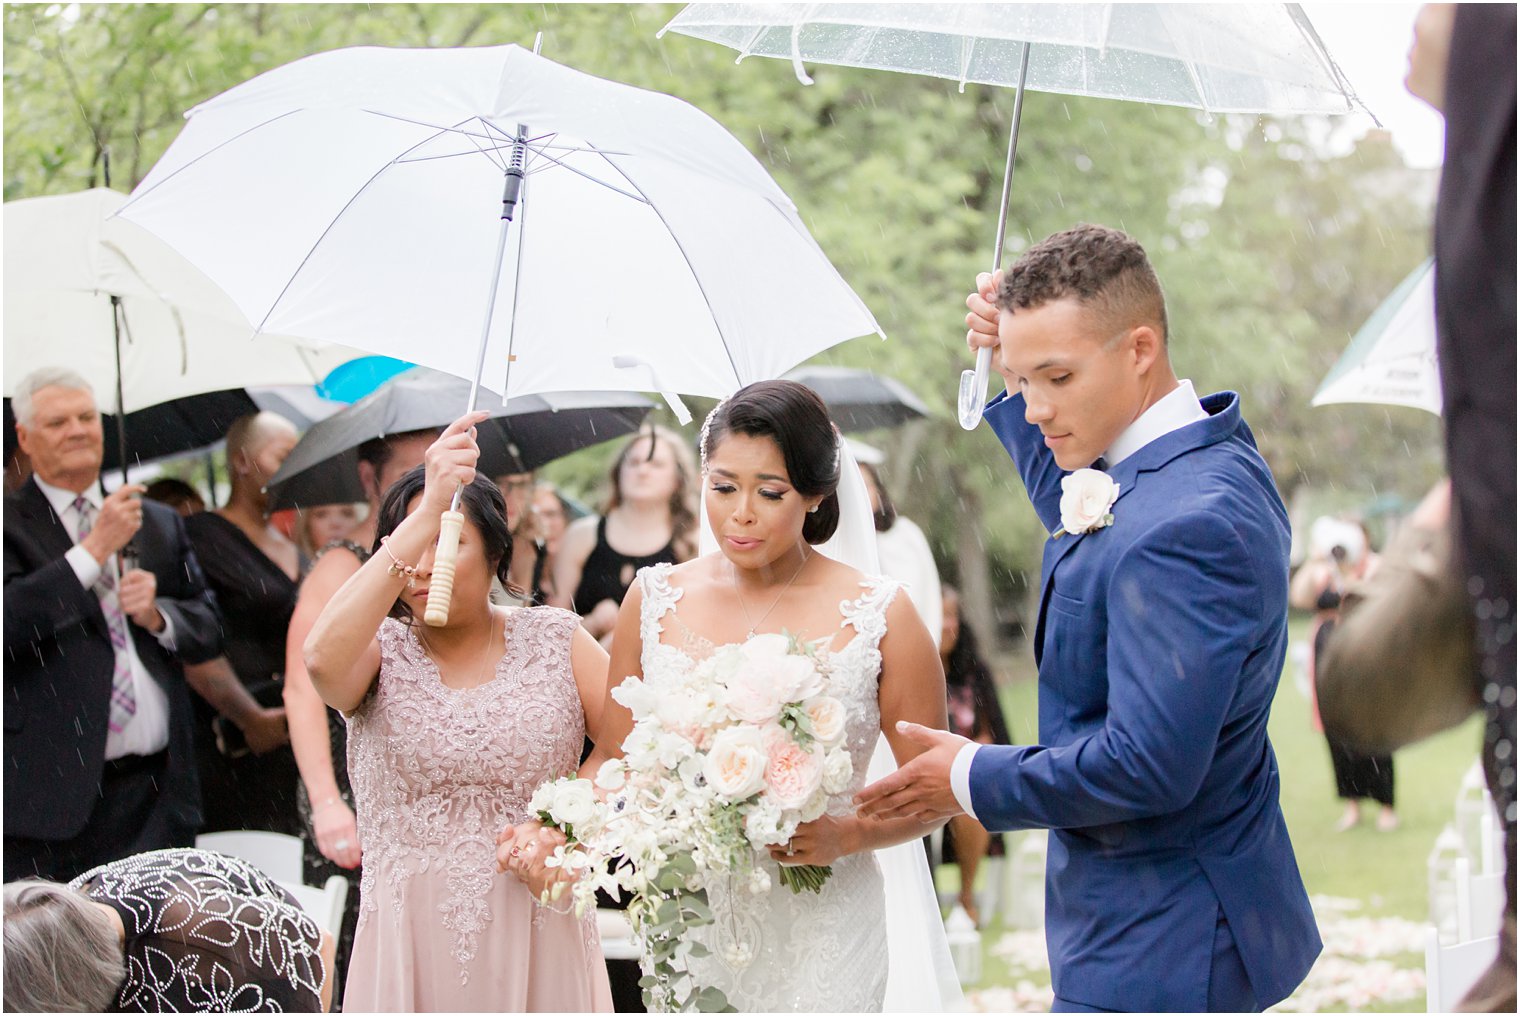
(1240, 58)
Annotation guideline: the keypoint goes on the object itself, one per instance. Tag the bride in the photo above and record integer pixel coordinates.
(771, 462)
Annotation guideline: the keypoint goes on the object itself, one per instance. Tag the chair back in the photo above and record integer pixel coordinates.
(275, 854)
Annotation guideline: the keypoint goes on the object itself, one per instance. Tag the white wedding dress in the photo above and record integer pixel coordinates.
(806, 952)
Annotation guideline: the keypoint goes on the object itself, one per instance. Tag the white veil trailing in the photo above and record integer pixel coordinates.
(920, 974)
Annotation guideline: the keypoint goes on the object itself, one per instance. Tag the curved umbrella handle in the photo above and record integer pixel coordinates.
(441, 586)
(973, 394)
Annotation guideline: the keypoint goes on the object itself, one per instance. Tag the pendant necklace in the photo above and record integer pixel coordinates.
(761, 620)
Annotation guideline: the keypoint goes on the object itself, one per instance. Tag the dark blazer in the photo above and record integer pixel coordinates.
(59, 661)
(1160, 643)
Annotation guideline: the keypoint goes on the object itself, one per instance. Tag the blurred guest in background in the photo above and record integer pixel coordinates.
(552, 518)
(325, 524)
(650, 518)
(177, 494)
(528, 574)
(103, 600)
(974, 713)
(167, 931)
(904, 551)
(248, 773)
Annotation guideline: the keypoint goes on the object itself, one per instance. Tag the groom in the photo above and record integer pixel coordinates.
(1171, 884)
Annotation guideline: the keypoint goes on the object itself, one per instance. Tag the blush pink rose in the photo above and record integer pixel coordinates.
(792, 774)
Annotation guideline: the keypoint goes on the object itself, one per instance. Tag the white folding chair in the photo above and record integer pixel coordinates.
(617, 935)
(324, 903)
(1480, 902)
(1450, 970)
(275, 854)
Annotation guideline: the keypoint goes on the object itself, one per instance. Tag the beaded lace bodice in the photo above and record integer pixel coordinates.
(437, 772)
(824, 951)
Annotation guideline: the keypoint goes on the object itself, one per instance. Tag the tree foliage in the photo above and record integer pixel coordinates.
(1272, 251)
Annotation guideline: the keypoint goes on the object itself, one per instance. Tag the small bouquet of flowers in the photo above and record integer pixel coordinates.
(724, 761)
(570, 804)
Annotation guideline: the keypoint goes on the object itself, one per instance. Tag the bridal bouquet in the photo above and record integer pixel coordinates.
(724, 761)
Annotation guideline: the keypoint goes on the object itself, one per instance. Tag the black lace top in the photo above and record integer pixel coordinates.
(208, 933)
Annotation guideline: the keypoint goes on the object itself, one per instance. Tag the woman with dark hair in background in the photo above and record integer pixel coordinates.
(451, 729)
(318, 735)
(975, 713)
(649, 519)
(247, 771)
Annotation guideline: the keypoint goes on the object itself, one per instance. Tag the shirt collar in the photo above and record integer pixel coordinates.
(63, 500)
(1173, 411)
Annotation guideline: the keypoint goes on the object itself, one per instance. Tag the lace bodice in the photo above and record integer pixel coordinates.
(437, 772)
(208, 933)
(823, 952)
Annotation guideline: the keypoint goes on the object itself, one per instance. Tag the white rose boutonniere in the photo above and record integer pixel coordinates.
(1086, 497)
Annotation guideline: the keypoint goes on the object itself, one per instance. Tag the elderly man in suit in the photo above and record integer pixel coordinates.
(1171, 884)
(103, 599)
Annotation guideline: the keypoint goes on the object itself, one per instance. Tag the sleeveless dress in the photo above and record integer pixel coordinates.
(608, 572)
(437, 772)
(811, 952)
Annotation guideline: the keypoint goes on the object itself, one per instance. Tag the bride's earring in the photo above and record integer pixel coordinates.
(813, 510)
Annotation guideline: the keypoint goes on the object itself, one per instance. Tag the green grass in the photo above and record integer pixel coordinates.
(1385, 871)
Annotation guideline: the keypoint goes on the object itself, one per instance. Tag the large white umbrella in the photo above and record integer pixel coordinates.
(356, 196)
(366, 195)
(66, 259)
(1247, 58)
(1391, 360)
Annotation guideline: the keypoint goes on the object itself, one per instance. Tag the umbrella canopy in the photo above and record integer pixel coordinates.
(1248, 58)
(356, 196)
(196, 422)
(1252, 58)
(1392, 358)
(65, 258)
(860, 400)
(530, 431)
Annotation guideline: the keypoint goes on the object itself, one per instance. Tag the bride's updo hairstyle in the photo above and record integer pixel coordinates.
(793, 416)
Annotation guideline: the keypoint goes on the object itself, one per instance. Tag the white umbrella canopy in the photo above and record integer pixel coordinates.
(355, 196)
(65, 257)
(1391, 360)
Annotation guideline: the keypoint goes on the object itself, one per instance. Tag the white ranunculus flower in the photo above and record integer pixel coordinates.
(574, 803)
(1086, 497)
(612, 775)
(838, 768)
(828, 718)
(542, 799)
(735, 766)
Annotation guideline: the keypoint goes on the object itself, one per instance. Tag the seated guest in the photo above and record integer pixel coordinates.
(248, 774)
(103, 599)
(167, 931)
(177, 494)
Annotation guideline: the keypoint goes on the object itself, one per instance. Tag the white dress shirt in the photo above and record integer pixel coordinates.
(1172, 411)
(147, 732)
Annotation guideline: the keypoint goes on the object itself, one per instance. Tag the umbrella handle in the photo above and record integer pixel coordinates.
(973, 395)
(441, 586)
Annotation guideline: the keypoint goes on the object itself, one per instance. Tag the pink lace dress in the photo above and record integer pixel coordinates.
(437, 773)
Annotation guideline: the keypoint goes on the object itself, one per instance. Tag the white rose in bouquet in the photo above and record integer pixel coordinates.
(752, 694)
(828, 717)
(796, 678)
(736, 763)
(768, 646)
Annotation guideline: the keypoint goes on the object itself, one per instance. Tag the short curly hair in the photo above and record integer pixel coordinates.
(1103, 269)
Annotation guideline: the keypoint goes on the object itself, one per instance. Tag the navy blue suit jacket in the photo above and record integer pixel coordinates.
(1160, 643)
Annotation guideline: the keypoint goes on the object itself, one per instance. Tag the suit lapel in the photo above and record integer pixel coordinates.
(1223, 421)
(48, 529)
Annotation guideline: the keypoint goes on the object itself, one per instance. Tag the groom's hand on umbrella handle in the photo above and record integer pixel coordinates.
(450, 461)
(920, 789)
(982, 316)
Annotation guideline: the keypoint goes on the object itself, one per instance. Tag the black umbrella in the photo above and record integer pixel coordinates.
(532, 430)
(860, 400)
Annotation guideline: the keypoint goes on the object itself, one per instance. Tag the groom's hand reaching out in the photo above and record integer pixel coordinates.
(920, 789)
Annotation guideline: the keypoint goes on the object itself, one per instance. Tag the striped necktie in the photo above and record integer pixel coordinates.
(123, 695)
